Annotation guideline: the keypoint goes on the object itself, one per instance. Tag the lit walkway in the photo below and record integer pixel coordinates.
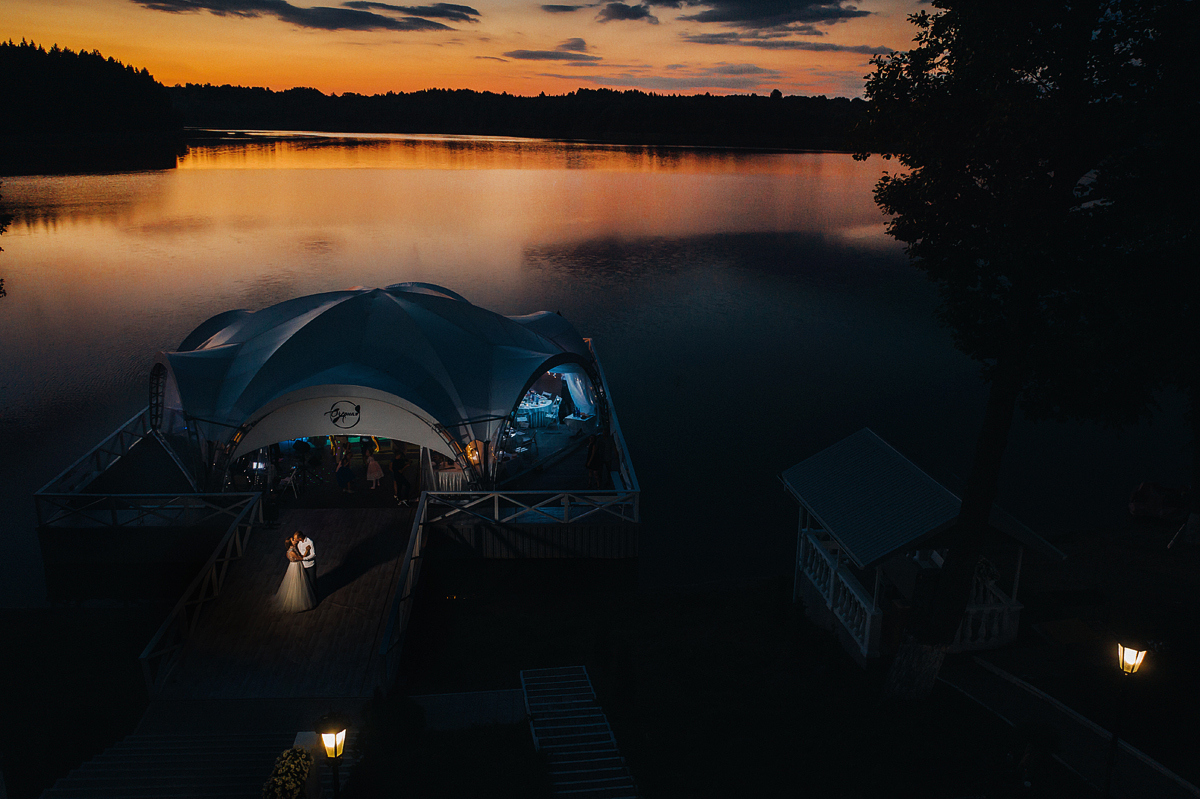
(245, 648)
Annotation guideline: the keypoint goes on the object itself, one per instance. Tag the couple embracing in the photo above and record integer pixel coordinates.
(298, 591)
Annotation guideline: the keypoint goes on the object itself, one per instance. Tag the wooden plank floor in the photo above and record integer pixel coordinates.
(245, 647)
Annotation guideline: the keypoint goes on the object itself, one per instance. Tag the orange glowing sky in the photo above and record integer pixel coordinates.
(364, 46)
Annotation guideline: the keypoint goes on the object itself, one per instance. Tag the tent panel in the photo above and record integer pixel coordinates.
(347, 415)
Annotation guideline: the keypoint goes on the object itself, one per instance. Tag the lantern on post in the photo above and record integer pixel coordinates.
(333, 737)
(1130, 659)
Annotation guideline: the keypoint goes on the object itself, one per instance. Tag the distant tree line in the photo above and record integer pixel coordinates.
(628, 117)
(66, 111)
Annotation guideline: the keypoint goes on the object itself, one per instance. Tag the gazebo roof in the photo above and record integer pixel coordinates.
(874, 501)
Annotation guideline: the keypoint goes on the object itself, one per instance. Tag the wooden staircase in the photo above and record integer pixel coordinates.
(569, 726)
(192, 765)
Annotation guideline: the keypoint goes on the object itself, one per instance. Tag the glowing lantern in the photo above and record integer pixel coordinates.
(1130, 658)
(334, 742)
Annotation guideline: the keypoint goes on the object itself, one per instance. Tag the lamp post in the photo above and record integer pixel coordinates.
(335, 742)
(1129, 659)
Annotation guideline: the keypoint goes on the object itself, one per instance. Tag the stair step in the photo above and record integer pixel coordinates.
(607, 764)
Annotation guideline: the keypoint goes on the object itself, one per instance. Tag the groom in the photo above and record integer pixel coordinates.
(308, 554)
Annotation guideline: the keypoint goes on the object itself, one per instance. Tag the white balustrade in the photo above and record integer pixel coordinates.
(990, 620)
(817, 563)
(854, 609)
(842, 591)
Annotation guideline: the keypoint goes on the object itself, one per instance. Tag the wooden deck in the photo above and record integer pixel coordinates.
(244, 647)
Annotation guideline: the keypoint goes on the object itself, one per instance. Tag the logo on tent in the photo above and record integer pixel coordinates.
(344, 414)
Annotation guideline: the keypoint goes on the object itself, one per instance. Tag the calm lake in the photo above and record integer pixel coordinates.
(748, 308)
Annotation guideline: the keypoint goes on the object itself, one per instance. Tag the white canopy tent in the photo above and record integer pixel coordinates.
(412, 362)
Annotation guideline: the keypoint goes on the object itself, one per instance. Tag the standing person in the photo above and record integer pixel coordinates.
(566, 407)
(344, 475)
(374, 472)
(308, 555)
(400, 486)
(295, 593)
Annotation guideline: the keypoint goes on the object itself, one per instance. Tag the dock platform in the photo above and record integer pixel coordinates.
(244, 647)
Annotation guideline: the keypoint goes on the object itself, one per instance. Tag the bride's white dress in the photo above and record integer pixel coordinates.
(295, 593)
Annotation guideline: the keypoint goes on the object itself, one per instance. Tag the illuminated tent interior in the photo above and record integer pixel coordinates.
(411, 362)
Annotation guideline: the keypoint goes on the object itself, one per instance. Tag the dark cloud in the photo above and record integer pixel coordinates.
(619, 11)
(550, 55)
(681, 77)
(320, 17)
(665, 83)
(766, 14)
(492, 58)
(436, 11)
(741, 69)
(573, 46)
(562, 9)
(776, 43)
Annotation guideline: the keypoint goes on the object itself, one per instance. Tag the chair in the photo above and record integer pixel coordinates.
(290, 482)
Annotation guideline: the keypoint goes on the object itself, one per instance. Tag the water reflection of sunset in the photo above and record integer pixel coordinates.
(265, 150)
(249, 224)
(477, 195)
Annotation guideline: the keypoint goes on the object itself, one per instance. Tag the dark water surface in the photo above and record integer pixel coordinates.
(748, 309)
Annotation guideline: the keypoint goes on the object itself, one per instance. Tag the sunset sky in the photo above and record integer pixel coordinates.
(667, 46)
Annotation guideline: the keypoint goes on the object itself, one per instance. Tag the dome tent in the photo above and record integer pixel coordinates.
(413, 362)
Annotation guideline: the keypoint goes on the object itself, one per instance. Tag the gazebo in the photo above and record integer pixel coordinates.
(873, 531)
(411, 362)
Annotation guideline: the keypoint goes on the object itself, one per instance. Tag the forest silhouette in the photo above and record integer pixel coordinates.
(72, 111)
(68, 111)
(620, 117)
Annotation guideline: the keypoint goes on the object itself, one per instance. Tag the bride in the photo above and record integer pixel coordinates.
(295, 593)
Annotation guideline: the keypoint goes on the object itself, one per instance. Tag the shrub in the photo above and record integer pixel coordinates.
(290, 774)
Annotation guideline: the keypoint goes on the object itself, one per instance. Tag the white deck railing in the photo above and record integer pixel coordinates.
(505, 507)
(843, 593)
(991, 619)
(402, 600)
(100, 457)
(539, 507)
(136, 510)
(163, 652)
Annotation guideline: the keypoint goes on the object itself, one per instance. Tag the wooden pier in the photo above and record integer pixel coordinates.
(244, 647)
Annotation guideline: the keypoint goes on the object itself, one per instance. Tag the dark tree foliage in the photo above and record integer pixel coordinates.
(57, 90)
(1146, 230)
(1024, 129)
(633, 117)
(68, 111)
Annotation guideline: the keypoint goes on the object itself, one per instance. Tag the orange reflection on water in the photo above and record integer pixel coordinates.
(270, 219)
(282, 150)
